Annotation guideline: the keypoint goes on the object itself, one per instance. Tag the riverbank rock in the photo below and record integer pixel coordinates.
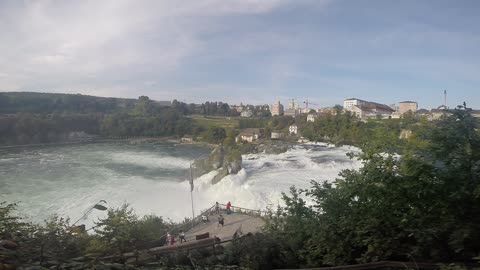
(267, 147)
(216, 158)
(224, 161)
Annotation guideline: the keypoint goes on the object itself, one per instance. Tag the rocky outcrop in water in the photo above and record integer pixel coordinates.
(224, 161)
(267, 147)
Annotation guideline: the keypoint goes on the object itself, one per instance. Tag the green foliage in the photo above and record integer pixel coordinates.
(51, 240)
(49, 103)
(122, 230)
(56, 241)
(229, 141)
(119, 229)
(259, 251)
(8, 222)
(215, 134)
(345, 128)
(143, 107)
(27, 128)
(424, 205)
(165, 123)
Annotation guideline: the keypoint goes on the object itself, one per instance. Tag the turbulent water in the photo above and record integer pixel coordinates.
(68, 180)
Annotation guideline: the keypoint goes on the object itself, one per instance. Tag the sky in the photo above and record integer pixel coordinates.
(250, 51)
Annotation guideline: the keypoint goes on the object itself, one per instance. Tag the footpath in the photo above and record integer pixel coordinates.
(240, 224)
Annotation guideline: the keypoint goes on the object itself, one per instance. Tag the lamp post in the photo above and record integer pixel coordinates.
(99, 206)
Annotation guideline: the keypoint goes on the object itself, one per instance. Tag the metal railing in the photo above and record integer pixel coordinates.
(245, 211)
(191, 223)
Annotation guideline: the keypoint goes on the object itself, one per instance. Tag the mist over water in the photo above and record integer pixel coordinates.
(67, 180)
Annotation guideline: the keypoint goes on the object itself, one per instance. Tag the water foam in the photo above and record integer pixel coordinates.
(266, 176)
(68, 181)
(150, 160)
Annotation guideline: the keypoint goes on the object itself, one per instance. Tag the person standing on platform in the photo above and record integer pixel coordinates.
(229, 205)
(182, 237)
(220, 220)
(217, 208)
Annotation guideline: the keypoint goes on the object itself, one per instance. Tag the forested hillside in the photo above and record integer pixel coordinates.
(31, 118)
(49, 103)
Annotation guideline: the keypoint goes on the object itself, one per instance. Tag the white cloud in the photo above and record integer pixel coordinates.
(257, 50)
(53, 41)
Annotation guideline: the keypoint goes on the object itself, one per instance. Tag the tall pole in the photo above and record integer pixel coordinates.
(445, 97)
(191, 193)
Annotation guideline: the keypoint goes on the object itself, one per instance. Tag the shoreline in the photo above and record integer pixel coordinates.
(135, 140)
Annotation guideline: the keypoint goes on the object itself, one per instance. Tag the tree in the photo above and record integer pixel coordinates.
(143, 107)
(424, 205)
(216, 134)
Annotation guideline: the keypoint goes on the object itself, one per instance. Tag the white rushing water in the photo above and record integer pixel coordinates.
(67, 180)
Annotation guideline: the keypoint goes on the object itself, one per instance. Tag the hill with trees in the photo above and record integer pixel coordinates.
(52, 103)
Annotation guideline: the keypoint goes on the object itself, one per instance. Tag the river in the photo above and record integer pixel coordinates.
(67, 180)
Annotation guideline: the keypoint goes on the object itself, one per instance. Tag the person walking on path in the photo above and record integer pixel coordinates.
(170, 239)
(204, 218)
(182, 237)
(169, 236)
(220, 220)
(217, 208)
(229, 205)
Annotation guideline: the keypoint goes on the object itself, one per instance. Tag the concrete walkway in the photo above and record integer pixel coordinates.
(240, 223)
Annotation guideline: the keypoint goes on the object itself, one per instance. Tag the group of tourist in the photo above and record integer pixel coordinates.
(228, 208)
(171, 238)
(221, 221)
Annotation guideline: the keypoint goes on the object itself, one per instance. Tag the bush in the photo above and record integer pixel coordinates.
(259, 251)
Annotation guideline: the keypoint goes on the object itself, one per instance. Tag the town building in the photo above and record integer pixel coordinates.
(423, 112)
(350, 102)
(238, 108)
(293, 129)
(249, 135)
(371, 110)
(367, 109)
(406, 106)
(246, 113)
(293, 109)
(436, 114)
(395, 107)
(395, 115)
(262, 108)
(293, 105)
(311, 117)
(327, 110)
(291, 112)
(276, 135)
(187, 139)
(277, 109)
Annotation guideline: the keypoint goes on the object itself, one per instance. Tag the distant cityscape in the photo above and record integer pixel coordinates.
(361, 108)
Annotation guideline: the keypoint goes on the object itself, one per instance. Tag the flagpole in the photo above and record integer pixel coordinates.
(191, 194)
